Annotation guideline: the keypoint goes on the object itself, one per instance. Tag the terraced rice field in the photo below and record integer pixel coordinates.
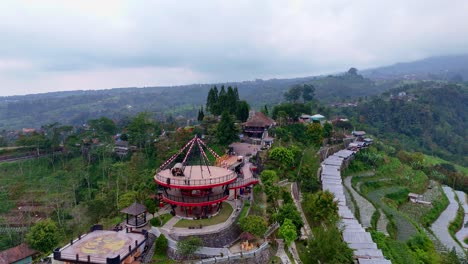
(405, 229)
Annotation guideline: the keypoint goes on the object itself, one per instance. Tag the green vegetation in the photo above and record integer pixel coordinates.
(160, 245)
(418, 249)
(288, 231)
(253, 224)
(244, 211)
(327, 247)
(457, 223)
(226, 131)
(438, 206)
(320, 208)
(189, 246)
(221, 217)
(43, 236)
(160, 220)
(432, 123)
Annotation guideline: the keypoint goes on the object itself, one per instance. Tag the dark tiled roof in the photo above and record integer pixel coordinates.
(14, 254)
(259, 119)
(134, 209)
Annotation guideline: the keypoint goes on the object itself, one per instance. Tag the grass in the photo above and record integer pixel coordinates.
(438, 206)
(457, 223)
(275, 260)
(160, 220)
(431, 160)
(221, 217)
(162, 258)
(302, 250)
(244, 211)
(291, 259)
(375, 218)
(466, 240)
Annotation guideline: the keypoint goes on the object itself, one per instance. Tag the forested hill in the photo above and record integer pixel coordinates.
(430, 117)
(446, 68)
(77, 107)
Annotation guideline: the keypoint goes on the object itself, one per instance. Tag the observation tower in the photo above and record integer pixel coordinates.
(191, 183)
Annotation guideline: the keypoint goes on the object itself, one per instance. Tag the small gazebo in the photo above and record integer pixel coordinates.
(138, 213)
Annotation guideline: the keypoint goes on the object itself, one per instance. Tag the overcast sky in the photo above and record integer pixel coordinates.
(69, 45)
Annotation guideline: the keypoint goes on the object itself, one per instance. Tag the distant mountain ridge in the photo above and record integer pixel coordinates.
(449, 68)
(76, 107)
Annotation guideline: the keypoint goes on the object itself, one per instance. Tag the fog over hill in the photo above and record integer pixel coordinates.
(453, 67)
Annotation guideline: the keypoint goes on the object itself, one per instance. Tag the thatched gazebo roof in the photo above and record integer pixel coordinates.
(134, 209)
(259, 119)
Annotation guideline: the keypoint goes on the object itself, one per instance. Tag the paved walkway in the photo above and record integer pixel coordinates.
(463, 232)
(306, 228)
(440, 226)
(382, 223)
(169, 226)
(281, 253)
(366, 209)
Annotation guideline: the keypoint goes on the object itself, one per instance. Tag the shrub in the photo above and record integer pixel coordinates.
(160, 245)
(155, 221)
(188, 246)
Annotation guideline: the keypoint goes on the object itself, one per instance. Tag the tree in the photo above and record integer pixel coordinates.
(242, 112)
(314, 132)
(226, 132)
(289, 211)
(268, 176)
(265, 110)
(254, 224)
(43, 236)
(293, 94)
(127, 199)
(327, 246)
(212, 101)
(201, 114)
(288, 231)
(352, 71)
(292, 110)
(151, 206)
(103, 126)
(231, 101)
(97, 209)
(283, 156)
(308, 92)
(222, 101)
(187, 247)
(141, 129)
(327, 130)
(321, 208)
(160, 245)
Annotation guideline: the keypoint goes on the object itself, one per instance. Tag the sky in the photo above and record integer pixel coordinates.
(80, 45)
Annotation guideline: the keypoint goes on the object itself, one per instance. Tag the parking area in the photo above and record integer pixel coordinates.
(245, 149)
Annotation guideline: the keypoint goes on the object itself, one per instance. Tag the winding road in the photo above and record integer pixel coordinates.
(440, 226)
(366, 209)
(463, 232)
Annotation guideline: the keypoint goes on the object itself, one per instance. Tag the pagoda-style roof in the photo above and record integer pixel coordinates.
(134, 209)
(259, 119)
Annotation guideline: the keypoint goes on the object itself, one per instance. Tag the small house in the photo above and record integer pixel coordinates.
(20, 254)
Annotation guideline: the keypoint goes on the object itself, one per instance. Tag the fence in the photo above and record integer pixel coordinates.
(237, 256)
(184, 181)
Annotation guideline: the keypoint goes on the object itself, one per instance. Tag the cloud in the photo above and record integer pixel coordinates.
(56, 41)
